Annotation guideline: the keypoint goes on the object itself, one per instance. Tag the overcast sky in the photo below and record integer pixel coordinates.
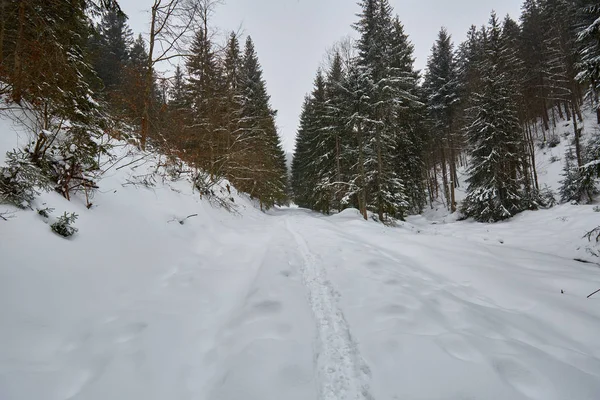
(291, 36)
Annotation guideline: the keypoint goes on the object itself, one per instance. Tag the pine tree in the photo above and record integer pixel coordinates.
(178, 92)
(232, 108)
(263, 172)
(408, 119)
(132, 88)
(112, 49)
(336, 135)
(588, 37)
(536, 64)
(495, 189)
(385, 188)
(441, 87)
(313, 148)
(204, 97)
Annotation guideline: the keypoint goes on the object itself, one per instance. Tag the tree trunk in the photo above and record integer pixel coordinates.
(2, 30)
(379, 174)
(429, 181)
(545, 119)
(453, 177)
(17, 93)
(362, 195)
(577, 139)
(567, 111)
(445, 175)
(338, 172)
(531, 146)
(560, 112)
(148, 83)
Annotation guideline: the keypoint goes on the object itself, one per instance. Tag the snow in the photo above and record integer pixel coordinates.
(290, 304)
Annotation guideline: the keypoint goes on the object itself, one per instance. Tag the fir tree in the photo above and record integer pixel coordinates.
(309, 168)
(441, 88)
(204, 92)
(263, 170)
(588, 37)
(112, 53)
(385, 188)
(178, 92)
(495, 189)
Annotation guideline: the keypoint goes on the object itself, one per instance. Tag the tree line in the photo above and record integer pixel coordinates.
(377, 135)
(79, 68)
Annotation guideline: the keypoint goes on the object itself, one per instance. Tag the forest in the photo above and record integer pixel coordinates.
(377, 135)
(374, 133)
(436, 234)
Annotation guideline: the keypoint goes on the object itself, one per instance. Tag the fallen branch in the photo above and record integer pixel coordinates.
(597, 291)
(6, 215)
(182, 221)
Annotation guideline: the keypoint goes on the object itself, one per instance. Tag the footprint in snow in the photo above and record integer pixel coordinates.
(458, 347)
(522, 379)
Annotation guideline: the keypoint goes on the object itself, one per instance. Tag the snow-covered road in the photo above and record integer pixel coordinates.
(293, 305)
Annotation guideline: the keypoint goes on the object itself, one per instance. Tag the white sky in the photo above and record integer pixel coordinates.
(291, 36)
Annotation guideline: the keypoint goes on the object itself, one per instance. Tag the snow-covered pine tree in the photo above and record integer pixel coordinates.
(560, 52)
(336, 134)
(264, 175)
(408, 118)
(515, 69)
(204, 91)
(111, 48)
(588, 37)
(386, 191)
(312, 147)
(356, 103)
(496, 188)
(536, 65)
(441, 88)
(232, 107)
(132, 86)
(178, 92)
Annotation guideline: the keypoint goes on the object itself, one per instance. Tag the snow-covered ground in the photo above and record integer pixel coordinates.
(291, 304)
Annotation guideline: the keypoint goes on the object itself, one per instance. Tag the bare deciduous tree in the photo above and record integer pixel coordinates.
(172, 24)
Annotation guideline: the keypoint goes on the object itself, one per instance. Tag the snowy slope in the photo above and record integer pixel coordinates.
(290, 304)
(549, 161)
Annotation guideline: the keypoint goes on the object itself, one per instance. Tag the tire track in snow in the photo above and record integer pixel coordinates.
(342, 372)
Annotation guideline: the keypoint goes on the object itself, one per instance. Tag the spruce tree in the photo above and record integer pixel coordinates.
(588, 37)
(313, 148)
(496, 188)
(263, 174)
(441, 88)
(112, 53)
(408, 118)
(204, 98)
(386, 191)
(336, 134)
(232, 107)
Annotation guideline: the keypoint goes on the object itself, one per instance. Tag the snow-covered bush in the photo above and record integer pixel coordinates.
(21, 181)
(545, 197)
(578, 184)
(553, 141)
(72, 162)
(64, 225)
(45, 212)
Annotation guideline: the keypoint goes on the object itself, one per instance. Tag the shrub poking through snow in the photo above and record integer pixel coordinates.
(72, 163)
(553, 141)
(64, 225)
(45, 212)
(546, 197)
(21, 180)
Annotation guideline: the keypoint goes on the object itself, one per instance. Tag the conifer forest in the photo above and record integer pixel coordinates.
(299, 199)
